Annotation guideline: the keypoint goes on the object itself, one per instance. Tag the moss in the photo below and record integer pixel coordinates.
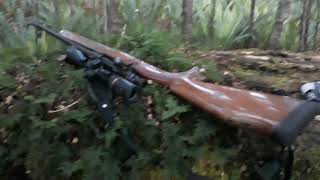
(243, 73)
(280, 82)
(307, 164)
(272, 81)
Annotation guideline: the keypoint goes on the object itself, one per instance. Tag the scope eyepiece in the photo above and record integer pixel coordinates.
(75, 57)
(124, 88)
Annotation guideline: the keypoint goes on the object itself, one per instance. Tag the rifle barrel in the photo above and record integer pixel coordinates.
(52, 33)
(66, 41)
(87, 51)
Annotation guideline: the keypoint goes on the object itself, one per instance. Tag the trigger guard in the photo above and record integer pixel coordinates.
(103, 99)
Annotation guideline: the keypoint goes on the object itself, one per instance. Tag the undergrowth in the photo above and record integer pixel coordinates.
(76, 143)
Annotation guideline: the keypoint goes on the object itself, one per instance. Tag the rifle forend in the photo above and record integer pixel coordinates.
(279, 117)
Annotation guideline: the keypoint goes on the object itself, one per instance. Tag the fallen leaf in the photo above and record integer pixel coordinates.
(75, 140)
(8, 100)
(150, 82)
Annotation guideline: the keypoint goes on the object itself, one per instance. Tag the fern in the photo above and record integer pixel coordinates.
(172, 109)
(203, 131)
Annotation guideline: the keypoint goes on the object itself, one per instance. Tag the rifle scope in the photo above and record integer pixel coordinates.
(95, 70)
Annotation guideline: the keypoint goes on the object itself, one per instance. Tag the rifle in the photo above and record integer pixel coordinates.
(113, 73)
(280, 117)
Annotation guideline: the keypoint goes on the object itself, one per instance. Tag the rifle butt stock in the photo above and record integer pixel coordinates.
(268, 115)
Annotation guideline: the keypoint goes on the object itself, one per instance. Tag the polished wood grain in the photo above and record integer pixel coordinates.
(252, 110)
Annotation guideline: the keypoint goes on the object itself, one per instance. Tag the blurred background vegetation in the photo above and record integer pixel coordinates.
(37, 143)
(212, 24)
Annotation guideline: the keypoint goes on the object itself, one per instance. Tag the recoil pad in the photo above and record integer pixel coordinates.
(290, 128)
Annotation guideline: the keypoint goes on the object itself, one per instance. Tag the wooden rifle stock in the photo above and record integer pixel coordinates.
(264, 113)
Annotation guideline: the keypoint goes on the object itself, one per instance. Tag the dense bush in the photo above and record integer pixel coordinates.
(76, 143)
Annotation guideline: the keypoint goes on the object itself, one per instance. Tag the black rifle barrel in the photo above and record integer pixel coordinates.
(88, 52)
(52, 33)
(85, 50)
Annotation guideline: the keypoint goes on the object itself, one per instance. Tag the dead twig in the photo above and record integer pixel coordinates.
(66, 107)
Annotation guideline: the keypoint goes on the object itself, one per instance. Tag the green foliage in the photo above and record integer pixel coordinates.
(146, 42)
(203, 130)
(95, 163)
(178, 61)
(231, 26)
(211, 163)
(75, 143)
(7, 82)
(211, 72)
(268, 171)
(46, 99)
(290, 39)
(172, 108)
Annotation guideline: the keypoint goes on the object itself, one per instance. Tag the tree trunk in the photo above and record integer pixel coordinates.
(163, 20)
(304, 25)
(105, 16)
(316, 28)
(71, 4)
(251, 23)
(1, 3)
(115, 20)
(282, 15)
(211, 23)
(187, 13)
(88, 5)
(315, 36)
